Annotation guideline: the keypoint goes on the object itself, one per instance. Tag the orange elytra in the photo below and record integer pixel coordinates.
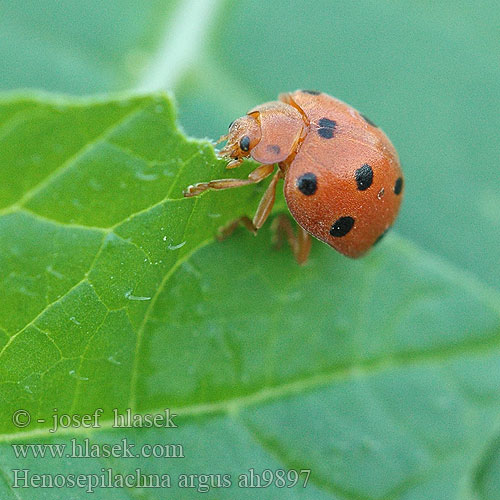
(342, 178)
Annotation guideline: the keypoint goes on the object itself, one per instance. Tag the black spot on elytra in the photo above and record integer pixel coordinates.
(307, 183)
(312, 92)
(398, 186)
(364, 177)
(245, 143)
(326, 128)
(367, 120)
(341, 227)
(381, 236)
(327, 123)
(274, 148)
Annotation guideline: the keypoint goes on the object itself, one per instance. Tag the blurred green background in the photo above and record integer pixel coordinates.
(427, 72)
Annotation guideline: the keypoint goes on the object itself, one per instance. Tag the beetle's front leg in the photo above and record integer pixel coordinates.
(257, 175)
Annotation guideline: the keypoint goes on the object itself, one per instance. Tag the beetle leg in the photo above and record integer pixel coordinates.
(245, 221)
(300, 243)
(263, 210)
(257, 175)
(267, 201)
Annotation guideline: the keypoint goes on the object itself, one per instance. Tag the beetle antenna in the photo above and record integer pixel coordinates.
(222, 138)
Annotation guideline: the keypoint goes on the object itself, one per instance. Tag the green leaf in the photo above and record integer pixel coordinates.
(381, 375)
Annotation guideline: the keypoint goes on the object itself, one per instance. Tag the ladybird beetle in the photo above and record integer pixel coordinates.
(342, 178)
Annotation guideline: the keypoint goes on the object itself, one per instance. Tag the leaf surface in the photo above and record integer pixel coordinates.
(381, 375)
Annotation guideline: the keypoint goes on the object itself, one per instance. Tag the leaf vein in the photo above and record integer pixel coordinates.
(74, 158)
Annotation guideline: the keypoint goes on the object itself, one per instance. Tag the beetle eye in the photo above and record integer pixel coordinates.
(245, 143)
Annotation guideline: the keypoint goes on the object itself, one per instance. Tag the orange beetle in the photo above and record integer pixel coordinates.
(343, 181)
